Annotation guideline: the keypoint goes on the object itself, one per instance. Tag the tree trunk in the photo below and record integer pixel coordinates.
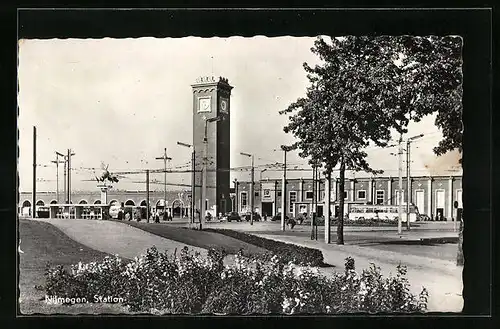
(460, 253)
(340, 195)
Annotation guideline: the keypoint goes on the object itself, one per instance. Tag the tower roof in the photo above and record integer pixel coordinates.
(211, 80)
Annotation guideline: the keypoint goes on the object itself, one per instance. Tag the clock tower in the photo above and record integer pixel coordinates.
(211, 99)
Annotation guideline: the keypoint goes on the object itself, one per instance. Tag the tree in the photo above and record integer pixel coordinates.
(434, 84)
(341, 112)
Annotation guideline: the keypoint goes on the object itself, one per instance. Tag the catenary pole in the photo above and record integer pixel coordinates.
(408, 184)
(283, 193)
(33, 214)
(164, 158)
(147, 195)
(400, 196)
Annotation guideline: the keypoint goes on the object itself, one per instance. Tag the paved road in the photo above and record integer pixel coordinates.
(442, 278)
(115, 238)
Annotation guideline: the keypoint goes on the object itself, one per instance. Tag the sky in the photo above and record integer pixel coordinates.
(122, 101)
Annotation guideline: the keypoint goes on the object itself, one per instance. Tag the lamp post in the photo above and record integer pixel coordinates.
(204, 173)
(409, 194)
(193, 184)
(251, 186)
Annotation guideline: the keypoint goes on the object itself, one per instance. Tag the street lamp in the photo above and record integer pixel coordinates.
(204, 174)
(251, 187)
(409, 193)
(193, 185)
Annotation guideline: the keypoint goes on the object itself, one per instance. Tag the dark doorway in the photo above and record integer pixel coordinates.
(320, 211)
(336, 212)
(267, 208)
(177, 211)
(440, 214)
(459, 214)
(223, 209)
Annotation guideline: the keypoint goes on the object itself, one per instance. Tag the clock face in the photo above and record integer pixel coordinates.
(204, 104)
(223, 105)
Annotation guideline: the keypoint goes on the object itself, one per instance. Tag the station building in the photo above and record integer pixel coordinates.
(433, 196)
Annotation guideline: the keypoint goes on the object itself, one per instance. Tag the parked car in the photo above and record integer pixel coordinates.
(233, 216)
(277, 217)
(256, 217)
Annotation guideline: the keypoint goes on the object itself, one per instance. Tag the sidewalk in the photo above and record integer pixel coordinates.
(442, 279)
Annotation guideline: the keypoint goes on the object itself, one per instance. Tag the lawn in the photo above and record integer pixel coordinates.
(41, 243)
(201, 239)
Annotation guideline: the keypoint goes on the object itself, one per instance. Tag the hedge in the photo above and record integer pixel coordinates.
(286, 251)
(191, 284)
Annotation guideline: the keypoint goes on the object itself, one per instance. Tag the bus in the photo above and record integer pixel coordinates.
(383, 212)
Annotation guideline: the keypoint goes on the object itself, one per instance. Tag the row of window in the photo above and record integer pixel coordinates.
(361, 195)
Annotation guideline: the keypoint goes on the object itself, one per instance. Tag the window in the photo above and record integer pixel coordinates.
(243, 197)
(293, 199)
(380, 197)
(362, 194)
(345, 195)
(279, 193)
(256, 194)
(267, 193)
(206, 204)
(309, 194)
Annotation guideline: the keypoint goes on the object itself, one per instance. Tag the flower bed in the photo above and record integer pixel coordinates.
(286, 251)
(187, 283)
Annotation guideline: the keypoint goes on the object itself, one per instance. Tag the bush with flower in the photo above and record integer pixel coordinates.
(287, 252)
(188, 283)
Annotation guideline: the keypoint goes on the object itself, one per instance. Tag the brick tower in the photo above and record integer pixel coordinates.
(211, 98)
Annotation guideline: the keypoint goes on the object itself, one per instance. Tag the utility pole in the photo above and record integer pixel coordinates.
(400, 196)
(164, 158)
(408, 184)
(57, 173)
(70, 154)
(313, 203)
(65, 179)
(147, 195)
(252, 193)
(283, 191)
(193, 180)
(33, 214)
(408, 162)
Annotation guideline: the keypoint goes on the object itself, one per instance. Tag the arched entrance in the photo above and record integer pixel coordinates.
(130, 203)
(53, 202)
(114, 203)
(97, 202)
(83, 202)
(26, 208)
(177, 209)
(40, 203)
(160, 205)
(144, 207)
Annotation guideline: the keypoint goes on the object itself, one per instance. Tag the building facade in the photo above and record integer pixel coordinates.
(432, 195)
(177, 204)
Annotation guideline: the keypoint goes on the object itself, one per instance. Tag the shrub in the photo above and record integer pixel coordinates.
(191, 284)
(287, 252)
(359, 222)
